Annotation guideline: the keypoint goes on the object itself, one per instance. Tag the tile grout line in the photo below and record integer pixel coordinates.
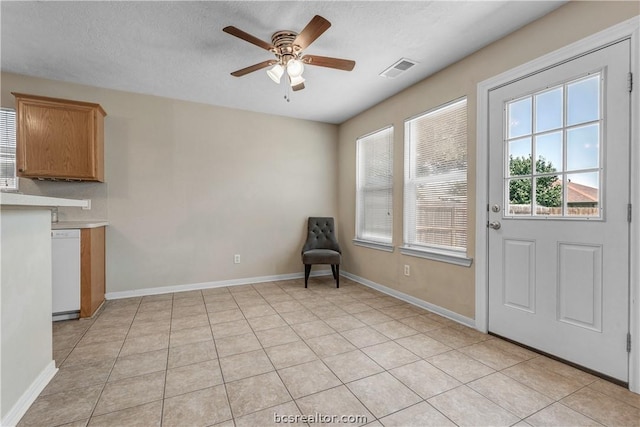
(276, 370)
(295, 401)
(166, 366)
(272, 365)
(331, 303)
(215, 347)
(114, 362)
(320, 359)
(587, 386)
(343, 384)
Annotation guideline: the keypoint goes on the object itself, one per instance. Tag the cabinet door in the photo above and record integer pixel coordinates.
(59, 139)
(92, 270)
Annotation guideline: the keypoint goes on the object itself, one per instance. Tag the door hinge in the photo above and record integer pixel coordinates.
(629, 212)
(630, 81)
(628, 342)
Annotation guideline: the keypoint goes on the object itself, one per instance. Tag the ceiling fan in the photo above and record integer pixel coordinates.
(288, 47)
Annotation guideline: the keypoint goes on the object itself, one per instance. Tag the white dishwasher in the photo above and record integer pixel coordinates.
(65, 252)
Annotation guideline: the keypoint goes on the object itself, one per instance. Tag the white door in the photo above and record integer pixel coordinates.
(559, 231)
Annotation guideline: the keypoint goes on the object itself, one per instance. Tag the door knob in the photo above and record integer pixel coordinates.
(495, 225)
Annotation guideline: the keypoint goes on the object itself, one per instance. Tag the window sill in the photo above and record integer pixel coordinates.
(373, 245)
(436, 255)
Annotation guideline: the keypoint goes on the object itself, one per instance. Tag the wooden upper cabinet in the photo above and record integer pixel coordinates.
(59, 139)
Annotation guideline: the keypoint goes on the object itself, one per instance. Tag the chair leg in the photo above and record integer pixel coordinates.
(333, 271)
(337, 275)
(307, 271)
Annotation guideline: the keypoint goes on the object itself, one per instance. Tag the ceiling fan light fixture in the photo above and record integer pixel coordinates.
(295, 81)
(288, 47)
(295, 68)
(275, 73)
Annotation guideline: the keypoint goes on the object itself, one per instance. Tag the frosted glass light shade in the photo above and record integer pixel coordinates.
(275, 73)
(295, 68)
(295, 81)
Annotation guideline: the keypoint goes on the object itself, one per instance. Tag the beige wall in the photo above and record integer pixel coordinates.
(190, 185)
(448, 286)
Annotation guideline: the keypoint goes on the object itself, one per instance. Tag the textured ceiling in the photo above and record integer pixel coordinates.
(178, 50)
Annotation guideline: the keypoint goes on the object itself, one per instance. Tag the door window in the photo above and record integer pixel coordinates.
(553, 146)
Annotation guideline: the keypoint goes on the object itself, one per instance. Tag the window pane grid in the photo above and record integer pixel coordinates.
(559, 127)
(374, 186)
(435, 197)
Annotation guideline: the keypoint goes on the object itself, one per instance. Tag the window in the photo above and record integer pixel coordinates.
(8, 179)
(435, 194)
(559, 127)
(374, 208)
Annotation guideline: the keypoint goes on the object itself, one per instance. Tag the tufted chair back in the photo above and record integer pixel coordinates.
(321, 235)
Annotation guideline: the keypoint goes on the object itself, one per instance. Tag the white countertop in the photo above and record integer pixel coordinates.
(27, 200)
(72, 225)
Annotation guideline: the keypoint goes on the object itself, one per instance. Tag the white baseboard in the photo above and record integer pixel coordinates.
(467, 321)
(262, 279)
(210, 285)
(29, 396)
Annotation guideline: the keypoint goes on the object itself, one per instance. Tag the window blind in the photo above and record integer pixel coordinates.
(435, 196)
(374, 203)
(8, 178)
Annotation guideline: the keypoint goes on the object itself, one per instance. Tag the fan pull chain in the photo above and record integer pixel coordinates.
(287, 94)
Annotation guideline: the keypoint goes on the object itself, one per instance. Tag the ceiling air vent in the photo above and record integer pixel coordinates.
(398, 68)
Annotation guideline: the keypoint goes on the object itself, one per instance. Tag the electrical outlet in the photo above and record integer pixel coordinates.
(236, 259)
(407, 270)
(88, 207)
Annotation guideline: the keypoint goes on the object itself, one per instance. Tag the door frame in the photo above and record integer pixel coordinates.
(629, 29)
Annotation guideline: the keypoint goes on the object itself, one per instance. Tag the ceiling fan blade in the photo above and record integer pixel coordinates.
(312, 31)
(248, 37)
(298, 87)
(325, 61)
(251, 69)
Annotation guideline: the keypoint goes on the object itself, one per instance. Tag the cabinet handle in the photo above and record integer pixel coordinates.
(21, 170)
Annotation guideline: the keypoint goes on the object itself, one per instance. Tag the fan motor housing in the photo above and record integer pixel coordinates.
(283, 42)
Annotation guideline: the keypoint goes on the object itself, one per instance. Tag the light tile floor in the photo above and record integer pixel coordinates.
(245, 355)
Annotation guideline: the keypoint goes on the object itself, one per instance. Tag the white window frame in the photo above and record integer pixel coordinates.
(363, 238)
(8, 143)
(411, 182)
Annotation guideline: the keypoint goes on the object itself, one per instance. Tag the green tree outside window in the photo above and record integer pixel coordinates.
(548, 190)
